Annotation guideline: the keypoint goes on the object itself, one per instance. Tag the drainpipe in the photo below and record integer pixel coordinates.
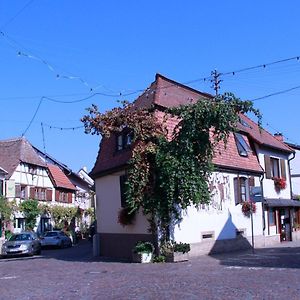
(262, 193)
(290, 177)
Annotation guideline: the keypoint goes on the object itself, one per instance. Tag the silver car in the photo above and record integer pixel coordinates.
(22, 243)
(56, 238)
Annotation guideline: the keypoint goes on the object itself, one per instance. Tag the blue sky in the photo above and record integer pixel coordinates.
(118, 46)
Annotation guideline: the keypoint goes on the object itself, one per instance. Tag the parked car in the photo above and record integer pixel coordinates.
(56, 238)
(22, 243)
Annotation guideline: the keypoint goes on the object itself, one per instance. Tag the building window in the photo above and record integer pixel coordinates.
(271, 214)
(274, 167)
(241, 189)
(63, 197)
(23, 194)
(20, 223)
(241, 144)
(1, 187)
(32, 169)
(124, 140)
(40, 194)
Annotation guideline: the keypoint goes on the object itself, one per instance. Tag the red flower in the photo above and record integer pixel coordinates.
(248, 207)
(280, 183)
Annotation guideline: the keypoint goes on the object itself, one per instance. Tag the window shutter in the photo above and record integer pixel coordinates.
(70, 197)
(18, 190)
(49, 195)
(268, 167)
(237, 196)
(32, 193)
(26, 192)
(56, 195)
(251, 181)
(282, 167)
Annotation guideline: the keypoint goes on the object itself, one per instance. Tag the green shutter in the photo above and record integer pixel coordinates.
(268, 167)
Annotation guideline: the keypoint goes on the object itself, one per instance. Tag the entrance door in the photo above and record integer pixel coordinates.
(285, 225)
(46, 224)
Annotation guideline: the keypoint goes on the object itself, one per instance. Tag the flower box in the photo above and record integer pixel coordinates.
(142, 257)
(143, 252)
(279, 183)
(177, 257)
(248, 207)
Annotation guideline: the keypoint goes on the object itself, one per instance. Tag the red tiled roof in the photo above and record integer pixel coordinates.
(229, 157)
(59, 179)
(164, 93)
(261, 136)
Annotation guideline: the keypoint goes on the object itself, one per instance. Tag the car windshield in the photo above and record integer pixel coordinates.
(21, 237)
(50, 234)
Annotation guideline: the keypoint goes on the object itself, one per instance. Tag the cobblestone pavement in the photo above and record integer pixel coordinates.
(73, 274)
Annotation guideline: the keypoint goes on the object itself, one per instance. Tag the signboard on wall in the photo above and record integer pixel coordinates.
(10, 188)
(256, 194)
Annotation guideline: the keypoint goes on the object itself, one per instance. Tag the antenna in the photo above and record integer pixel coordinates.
(216, 81)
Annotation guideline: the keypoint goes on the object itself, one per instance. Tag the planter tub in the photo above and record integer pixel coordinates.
(177, 257)
(142, 257)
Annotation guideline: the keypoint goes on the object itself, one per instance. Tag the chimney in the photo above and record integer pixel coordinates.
(278, 136)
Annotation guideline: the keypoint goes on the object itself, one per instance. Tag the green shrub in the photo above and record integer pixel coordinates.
(8, 234)
(159, 259)
(143, 247)
(182, 247)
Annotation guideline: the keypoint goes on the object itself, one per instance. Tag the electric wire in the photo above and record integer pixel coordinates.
(16, 15)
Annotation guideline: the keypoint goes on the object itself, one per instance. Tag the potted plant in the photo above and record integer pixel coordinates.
(248, 208)
(143, 252)
(279, 183)
(175, 252)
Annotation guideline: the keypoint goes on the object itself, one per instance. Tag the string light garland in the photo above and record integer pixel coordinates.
(63, 128)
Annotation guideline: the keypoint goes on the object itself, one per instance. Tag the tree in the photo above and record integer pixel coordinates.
(166, 175)
(5, 209)
(31, 210)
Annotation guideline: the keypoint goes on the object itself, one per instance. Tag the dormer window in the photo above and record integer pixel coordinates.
(244, 123)
(32, 170)
(124, 140)
(242, 145)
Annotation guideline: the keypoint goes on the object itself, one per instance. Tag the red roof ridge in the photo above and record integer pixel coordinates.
(284, 146)
(176, 83)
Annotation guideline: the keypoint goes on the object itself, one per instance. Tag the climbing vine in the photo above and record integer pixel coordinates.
(170, 166)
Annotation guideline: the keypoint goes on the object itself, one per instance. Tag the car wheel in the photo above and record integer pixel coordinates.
(38, 252)
(61, 245)
(31, 252)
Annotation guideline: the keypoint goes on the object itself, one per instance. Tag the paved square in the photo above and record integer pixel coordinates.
(74, 274)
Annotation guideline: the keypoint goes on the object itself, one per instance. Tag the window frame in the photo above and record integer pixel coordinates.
(124, 140)
(275, 167)
(272, 212)
(241, 144)
(240, 182)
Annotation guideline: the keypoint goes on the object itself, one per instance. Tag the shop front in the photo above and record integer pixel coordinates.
(283, 217)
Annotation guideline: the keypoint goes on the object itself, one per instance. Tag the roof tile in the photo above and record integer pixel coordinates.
(60, 180)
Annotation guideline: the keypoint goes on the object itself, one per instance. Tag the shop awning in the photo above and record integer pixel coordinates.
(281, 203)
